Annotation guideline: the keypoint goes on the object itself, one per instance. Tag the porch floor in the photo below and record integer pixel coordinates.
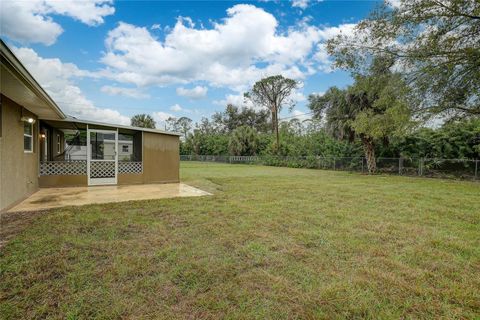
(47, 198)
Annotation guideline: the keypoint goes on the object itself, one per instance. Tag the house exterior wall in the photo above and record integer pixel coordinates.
(161, 164)
(130, 178)
(57, 148)
(18, 169)
(63, 181)
(53, 151)
(161, 158)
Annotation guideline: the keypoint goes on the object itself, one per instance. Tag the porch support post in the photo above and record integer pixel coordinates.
(116, 156)
(88, 155)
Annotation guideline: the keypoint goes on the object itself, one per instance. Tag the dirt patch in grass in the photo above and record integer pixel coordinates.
(15, 222)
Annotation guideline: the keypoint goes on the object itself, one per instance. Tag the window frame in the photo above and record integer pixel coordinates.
(28, 135)
(125, 145)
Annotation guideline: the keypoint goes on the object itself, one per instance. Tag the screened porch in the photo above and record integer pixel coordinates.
(88, 153)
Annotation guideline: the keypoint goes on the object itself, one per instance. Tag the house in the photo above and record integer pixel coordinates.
(40, 146)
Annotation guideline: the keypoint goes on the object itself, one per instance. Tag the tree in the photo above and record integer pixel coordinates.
(243, 141)
(207, 144)
(296, 126)
(171, 124)
(373, 109)
(273, 93)
(184, 125)
(339, 113)
(206, 126)
(234, 117)
(436, 44)
(453, 140)
(312, 125)
(143, 121)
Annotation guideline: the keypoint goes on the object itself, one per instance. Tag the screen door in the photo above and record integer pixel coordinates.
(102, 159)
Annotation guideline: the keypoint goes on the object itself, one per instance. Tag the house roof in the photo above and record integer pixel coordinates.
(74, 123)
(18, 84)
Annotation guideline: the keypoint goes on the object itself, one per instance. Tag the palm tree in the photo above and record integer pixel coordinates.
(373, 108)
(243, 141)
(341, 107)
(143, 121)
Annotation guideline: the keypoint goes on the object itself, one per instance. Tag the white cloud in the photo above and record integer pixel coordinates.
(197, 92)
(31, 21)
(321, 56)
(234, 99)
(160, 117)
(297, 96)
(319, 93)
(57, 78)
(127, 92)
(240, 101)
(394, 3)
(156, 26)
(330, 32)
(176, 108)
(234, 53)
(300, 115)
(302, 4)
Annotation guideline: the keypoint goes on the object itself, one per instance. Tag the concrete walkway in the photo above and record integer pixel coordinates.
(47, 198)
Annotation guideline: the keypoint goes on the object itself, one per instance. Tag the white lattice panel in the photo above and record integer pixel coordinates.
(102, 169)
(63, 168)
(130, 167)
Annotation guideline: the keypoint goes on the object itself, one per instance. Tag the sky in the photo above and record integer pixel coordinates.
(108, 60)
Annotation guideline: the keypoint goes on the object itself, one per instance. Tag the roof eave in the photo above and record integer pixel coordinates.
(104, 124)
(19, 69)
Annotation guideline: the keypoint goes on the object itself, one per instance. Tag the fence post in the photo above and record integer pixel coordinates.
(400, 162)
(476, 169)
(420, 169)
(334, 163)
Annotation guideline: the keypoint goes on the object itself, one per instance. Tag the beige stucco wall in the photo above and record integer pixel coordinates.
(18, 169)
(130, 178)
(161, 162)
(161, 158)
(63, 181)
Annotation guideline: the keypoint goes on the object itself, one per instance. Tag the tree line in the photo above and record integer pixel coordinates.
(412, 64)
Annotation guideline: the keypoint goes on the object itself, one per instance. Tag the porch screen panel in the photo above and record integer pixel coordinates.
(102, 163)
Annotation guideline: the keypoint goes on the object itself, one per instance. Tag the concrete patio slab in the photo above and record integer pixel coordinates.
(47, 198)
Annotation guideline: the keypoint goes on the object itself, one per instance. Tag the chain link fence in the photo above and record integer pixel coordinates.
(436, 168)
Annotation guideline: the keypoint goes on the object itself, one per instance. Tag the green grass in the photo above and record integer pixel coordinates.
(271, 243)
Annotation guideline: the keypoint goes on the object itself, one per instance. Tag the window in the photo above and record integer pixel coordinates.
(27, 137)
(124, 148)
(58, 143)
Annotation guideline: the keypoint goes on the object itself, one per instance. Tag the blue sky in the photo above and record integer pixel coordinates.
(107, 60)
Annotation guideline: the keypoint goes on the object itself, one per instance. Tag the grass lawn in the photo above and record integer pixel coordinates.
(271, 242)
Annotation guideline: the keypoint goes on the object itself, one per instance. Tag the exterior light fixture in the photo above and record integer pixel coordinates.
(28, 119)
(42, 135)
